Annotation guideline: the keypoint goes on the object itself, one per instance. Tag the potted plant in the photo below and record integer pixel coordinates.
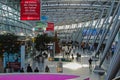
(41, 41)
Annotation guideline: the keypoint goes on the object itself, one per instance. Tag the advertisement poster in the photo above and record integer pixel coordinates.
(30, 10)
(50, 26)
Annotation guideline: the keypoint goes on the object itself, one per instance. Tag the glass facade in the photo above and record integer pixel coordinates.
(10, 21)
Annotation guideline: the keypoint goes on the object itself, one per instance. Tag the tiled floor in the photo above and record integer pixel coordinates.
(75, 68)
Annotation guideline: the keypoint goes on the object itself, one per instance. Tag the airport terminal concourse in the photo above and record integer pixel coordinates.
(59, 39)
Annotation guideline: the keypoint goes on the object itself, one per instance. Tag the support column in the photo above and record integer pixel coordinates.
(96, 25)
(105, 33)
(114, 31)
(118, 74)
(114, 64)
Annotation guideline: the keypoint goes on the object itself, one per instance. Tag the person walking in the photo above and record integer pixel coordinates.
(72, 56)
(80, 57)
(77, 55)
(90, 62)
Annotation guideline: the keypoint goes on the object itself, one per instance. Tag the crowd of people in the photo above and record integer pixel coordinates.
(77, 55)
(29, 69)
(40, 59)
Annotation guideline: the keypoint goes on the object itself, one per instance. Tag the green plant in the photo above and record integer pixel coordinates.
(8, 44)
(42, 40)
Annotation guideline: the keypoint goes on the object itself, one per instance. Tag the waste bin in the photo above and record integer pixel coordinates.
(59, 67)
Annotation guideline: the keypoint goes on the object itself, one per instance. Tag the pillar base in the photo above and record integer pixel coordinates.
(99, 70)
(117, 78)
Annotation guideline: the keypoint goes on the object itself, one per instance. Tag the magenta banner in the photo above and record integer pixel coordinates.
(37, 77)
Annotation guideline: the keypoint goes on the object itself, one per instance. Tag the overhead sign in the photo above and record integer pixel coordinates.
(44, 18)
(41, 25)
(50, 27)
(30, 10)
(50, 24)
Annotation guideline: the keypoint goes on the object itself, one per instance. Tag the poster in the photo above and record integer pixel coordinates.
(30, 10)
(50, 26)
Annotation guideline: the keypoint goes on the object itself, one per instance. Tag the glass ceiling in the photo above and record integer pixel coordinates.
(63, 12)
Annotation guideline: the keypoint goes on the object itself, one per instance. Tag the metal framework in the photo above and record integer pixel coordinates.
(10, 19)
(71, 11)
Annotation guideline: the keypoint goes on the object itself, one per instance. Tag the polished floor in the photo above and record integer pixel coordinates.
(79, 68)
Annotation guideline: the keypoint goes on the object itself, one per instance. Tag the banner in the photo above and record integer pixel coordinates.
(50, 27)
(41, 25)
(44, 18)
(30, 10)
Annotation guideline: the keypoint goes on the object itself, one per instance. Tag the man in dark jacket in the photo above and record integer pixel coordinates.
(90, 62)
(29, 69)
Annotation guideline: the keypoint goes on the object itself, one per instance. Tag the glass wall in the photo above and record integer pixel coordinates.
(10, 21)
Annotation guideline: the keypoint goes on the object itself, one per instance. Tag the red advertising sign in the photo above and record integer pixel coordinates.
(50, 27)
(50, 24)
(30, 10)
